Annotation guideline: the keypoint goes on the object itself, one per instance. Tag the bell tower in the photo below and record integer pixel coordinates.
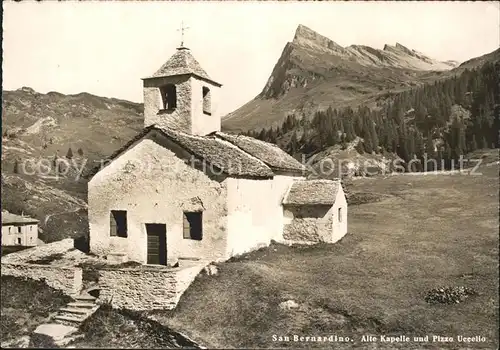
(181, 96)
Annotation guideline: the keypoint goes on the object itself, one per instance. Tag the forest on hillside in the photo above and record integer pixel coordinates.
(442, 121)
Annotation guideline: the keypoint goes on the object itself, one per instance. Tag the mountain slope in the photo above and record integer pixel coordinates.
(36, 128)
(314, 72)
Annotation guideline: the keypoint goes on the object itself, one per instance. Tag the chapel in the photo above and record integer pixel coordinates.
(183, 189)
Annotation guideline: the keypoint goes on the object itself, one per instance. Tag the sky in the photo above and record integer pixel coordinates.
(105, 48)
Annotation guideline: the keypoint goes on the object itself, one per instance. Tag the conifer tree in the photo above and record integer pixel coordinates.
(484, 143)
(473, 144)
(69, 154)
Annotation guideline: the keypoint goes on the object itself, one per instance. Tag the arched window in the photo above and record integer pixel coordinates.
(206, 101)
(340, 214)
(169, 96)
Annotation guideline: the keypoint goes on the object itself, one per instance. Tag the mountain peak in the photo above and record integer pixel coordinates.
(305, 36)
(27, 89)
(404, 48)
(398, 47)
(303, 31)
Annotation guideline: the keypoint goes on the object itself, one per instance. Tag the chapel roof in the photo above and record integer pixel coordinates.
(270, 154)
(215, 151)
(10, 219)
(312, 192)
(226, 156)
(181, 63)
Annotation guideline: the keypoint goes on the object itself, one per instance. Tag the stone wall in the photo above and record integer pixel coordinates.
(39, 252)
(180, 117)
(188, 116)
(185, 276)
(312, 224)
(145, 287)
(66, 279)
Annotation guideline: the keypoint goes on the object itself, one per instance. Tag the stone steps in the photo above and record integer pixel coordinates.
(85, 298)
(75, 313)
(69, 320)
(81, 305)
(65, 324)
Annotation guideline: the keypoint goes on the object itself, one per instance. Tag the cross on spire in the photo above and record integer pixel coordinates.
(182, 29)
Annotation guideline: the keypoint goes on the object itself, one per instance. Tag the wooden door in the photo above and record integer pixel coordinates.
(157, 244)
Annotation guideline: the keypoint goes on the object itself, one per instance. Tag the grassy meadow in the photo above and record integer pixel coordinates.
(430, 231)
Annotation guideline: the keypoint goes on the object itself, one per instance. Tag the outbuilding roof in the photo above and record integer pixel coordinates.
(270, 154)
(312, 192)
(11, 219)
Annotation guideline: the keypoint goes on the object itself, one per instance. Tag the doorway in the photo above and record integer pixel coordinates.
(157, 244)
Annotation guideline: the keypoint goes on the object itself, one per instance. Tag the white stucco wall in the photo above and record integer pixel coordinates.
(154, 186)
(255, 213)
(339, 228)
(203, 124)
(28, 235)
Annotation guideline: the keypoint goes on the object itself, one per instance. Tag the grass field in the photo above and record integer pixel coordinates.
(25, 304)
(109, 328)
(431, 231)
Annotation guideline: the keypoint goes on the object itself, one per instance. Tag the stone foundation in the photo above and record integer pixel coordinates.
(66, 279)
(146, 287)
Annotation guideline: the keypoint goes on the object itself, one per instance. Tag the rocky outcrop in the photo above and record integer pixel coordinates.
(288, 72)
(314, 72)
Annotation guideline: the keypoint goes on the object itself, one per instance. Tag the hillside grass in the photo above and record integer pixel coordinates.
(111, 328)
(26, 303)
(432, 231)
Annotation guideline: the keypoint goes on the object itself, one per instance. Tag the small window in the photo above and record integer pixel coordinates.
(192, 227)
(19, 241)
(31, 228)
(18, 229)
(118, 223)
(206, 101)
(340, 214)
(169, 96)
(9, 228)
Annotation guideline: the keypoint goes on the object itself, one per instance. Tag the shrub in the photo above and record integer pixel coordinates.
(42, 341)
(448, 295)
